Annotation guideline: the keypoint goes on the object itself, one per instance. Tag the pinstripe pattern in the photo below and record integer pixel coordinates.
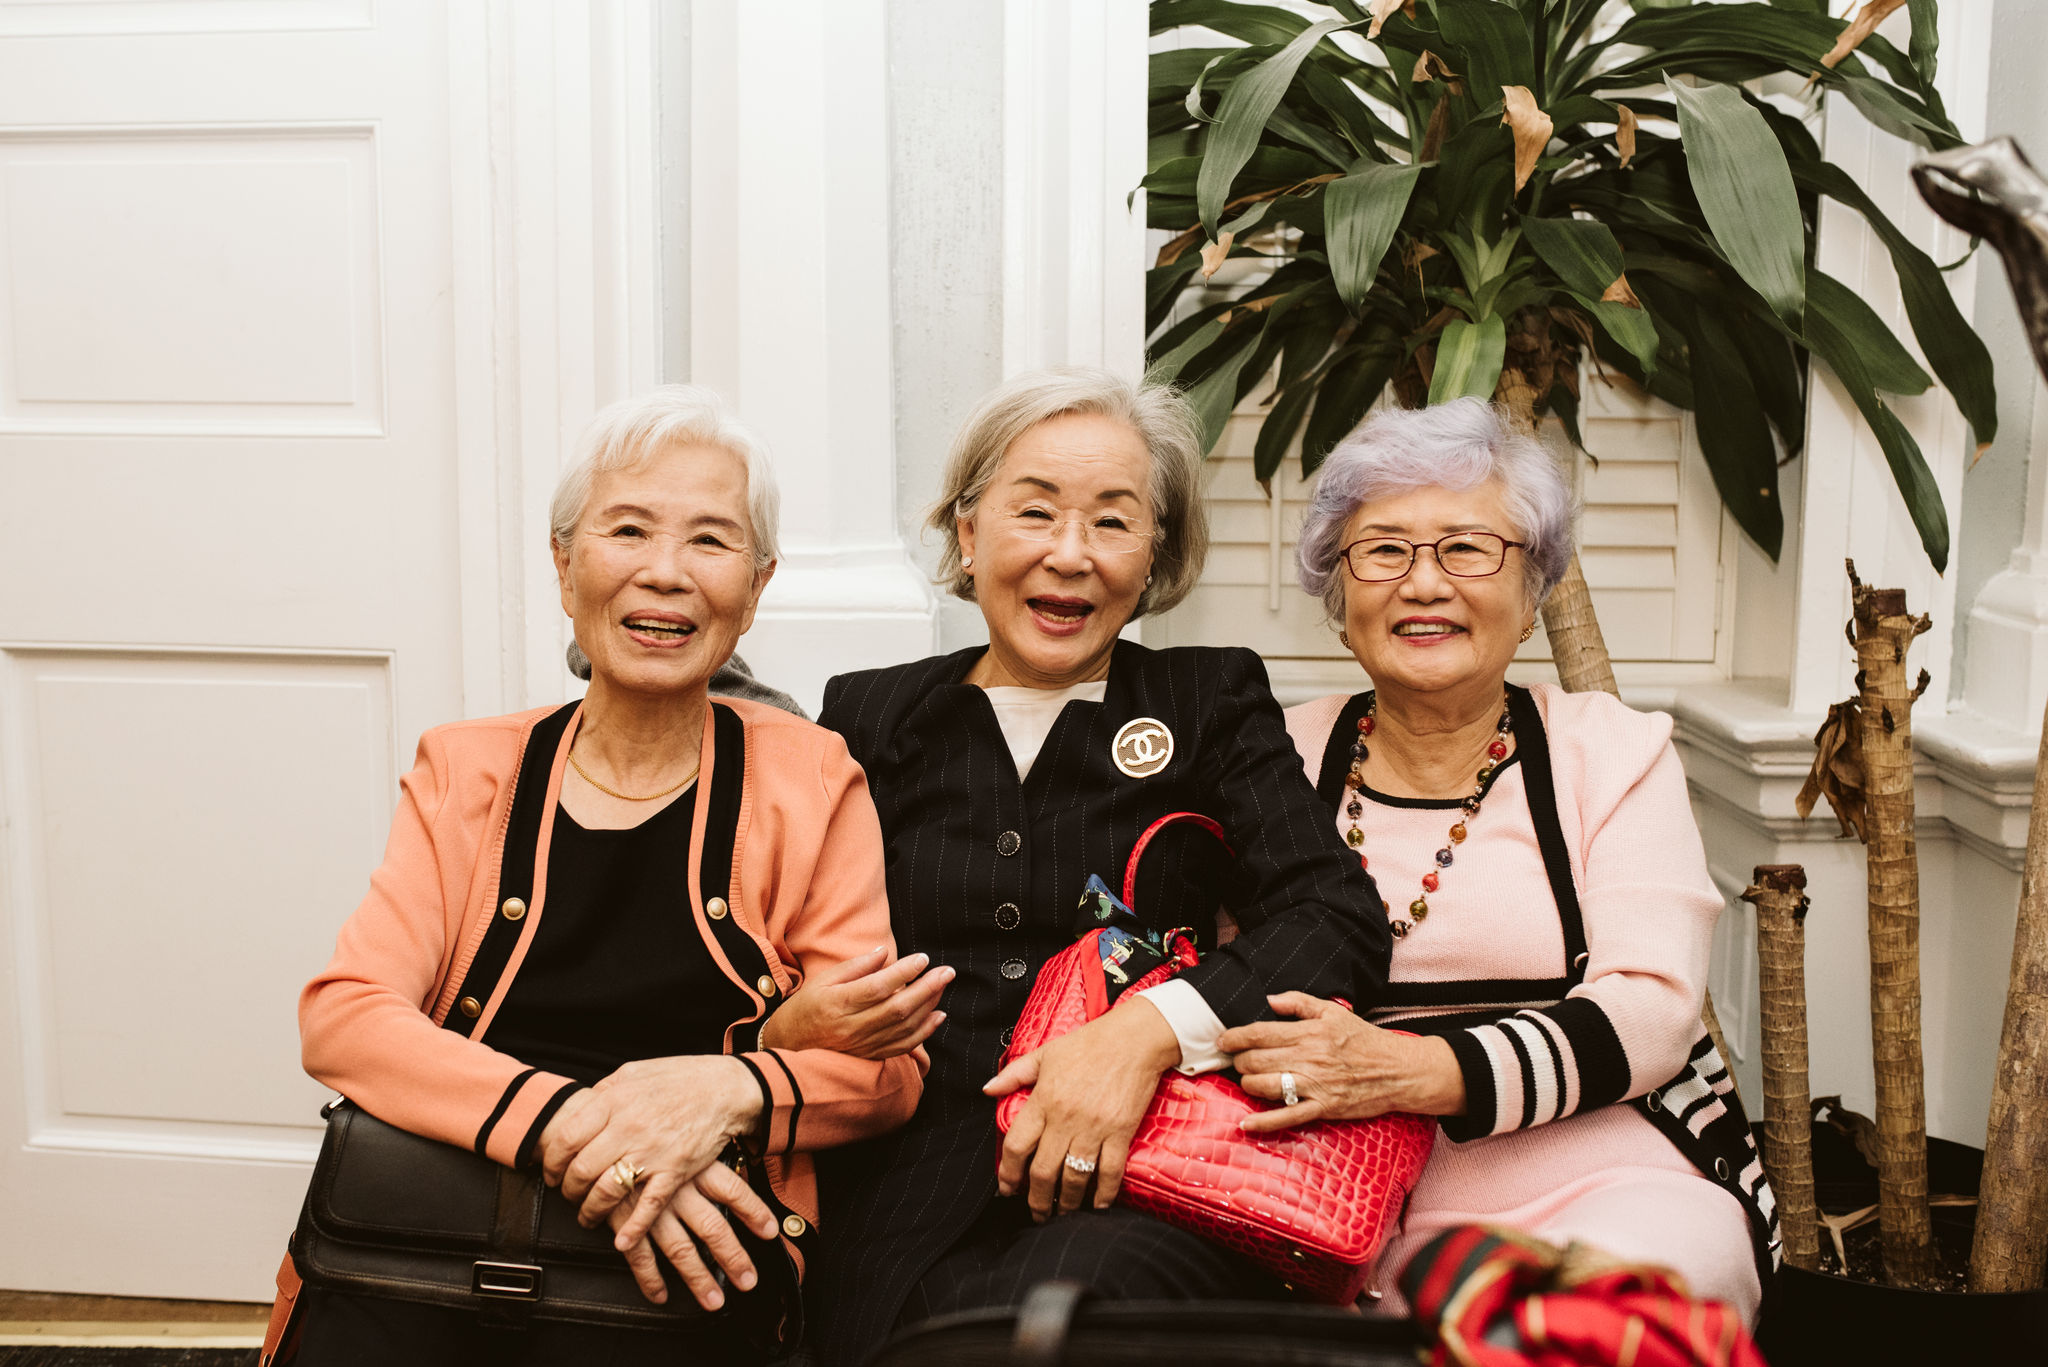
(946, 789)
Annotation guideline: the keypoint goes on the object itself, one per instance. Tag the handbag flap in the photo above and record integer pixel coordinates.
(371, 1174)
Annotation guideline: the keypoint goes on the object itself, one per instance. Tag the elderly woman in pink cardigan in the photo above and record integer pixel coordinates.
(1544, 876)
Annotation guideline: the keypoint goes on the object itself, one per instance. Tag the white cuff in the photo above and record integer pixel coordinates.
(1194, 1024)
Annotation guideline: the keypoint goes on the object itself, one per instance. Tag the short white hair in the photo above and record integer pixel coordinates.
(633, 430)
(1457, 445)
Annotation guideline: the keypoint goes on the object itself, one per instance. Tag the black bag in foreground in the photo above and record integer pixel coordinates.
(1058, 1326)
(392, 1214)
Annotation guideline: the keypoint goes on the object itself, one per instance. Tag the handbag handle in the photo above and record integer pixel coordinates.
(1208, 824)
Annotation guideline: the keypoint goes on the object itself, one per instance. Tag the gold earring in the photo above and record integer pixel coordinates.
(1345, 637)
(1528, 631)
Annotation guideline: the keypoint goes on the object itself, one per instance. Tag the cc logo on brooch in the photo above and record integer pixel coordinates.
(1143, 747)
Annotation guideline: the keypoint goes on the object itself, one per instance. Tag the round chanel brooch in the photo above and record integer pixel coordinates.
(1143, 747)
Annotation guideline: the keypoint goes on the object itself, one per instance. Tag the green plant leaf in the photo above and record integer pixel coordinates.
(1894, 112)
(1925, 37)
(1242, 116)
(1163, 285)
(1169, 74)
(1632, 327)
(1955, 351)
(1735, 438)
(1582, 251)
(1493, 39)
(1215, 394)
(1360, 214)
(1468, 359)
(1281, 422)
(1347, 390)
(1254, 24)
(1909, 467)
(1167, 368)
(1744, 185)
(1885, 359)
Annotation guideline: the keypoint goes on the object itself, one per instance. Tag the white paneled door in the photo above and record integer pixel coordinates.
(229, 592)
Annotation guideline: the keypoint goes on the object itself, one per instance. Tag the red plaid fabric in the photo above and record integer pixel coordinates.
(1495, 1298)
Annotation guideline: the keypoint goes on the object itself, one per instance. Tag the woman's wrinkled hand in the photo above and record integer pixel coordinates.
(1089, 1091)
(866, 1007)
(1342, 1067)
(669, 1118)
(700, 1206)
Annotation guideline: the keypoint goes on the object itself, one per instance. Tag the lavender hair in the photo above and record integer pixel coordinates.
(1457, 445)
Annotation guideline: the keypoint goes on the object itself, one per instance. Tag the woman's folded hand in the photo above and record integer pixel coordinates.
(1089, 1091)
(866, 1007)
(699, 1207)
(1341, 1067)
(668, 1119)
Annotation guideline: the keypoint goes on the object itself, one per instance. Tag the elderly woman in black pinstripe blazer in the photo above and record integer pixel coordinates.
(1005, 776)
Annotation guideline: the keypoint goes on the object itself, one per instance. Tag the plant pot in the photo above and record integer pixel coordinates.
(1814, 1318)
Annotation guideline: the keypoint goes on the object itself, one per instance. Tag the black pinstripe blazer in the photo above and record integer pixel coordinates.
(985, 874)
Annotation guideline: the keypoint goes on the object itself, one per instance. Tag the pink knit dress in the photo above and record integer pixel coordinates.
(1603, 1176)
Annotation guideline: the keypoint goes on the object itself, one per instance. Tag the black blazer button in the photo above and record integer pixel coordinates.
(1009, 916)
(1008, 843)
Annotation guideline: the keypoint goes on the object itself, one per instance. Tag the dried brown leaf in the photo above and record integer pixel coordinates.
(1625, 135)
(1171, 252)
(1429, 60)
(1873, 13)
(1532, 129)
(1837, 772)
(1433, 133)
(1853, 1126)
(1383, 10)
(1620, 293)
(1213, 254)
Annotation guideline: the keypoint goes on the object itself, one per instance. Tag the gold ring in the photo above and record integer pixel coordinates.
(625, 1174)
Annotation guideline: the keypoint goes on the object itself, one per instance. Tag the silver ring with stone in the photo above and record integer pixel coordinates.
(1076, 1163)
(1287, 1092)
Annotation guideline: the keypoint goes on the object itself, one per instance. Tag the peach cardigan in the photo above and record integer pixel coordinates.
(805, 887)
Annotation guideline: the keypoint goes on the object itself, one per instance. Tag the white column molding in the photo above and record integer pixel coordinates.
(2007, 679)
(790, 318)
(556, 293)
(1074, 76)
(1852, 508)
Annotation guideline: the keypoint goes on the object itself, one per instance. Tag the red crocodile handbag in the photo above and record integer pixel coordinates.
(1310, 1204)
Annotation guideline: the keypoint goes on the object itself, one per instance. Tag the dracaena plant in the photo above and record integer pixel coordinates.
(1468, 196)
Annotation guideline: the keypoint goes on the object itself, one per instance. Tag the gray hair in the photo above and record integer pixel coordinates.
(1156, 412)
(1457, 445)
(633, 430)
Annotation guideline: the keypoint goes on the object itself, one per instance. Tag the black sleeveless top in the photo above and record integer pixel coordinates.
(617, 970)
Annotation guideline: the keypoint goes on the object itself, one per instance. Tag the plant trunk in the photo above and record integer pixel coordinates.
(2012, 1207)
(1881, 631)
(1779, 895)
(1576, 645)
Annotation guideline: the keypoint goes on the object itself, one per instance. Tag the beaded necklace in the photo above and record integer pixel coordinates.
(1496, 751)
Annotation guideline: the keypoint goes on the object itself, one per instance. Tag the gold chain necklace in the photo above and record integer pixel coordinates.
(628, 797)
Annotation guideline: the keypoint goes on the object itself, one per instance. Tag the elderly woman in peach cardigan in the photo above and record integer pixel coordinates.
(1543, 876)
(586, 914)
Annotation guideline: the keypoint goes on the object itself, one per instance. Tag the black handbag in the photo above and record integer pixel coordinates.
(392, 1214)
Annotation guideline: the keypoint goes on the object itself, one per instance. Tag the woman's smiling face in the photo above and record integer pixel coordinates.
(1054, 606)
(660, 580)
(1429, 631)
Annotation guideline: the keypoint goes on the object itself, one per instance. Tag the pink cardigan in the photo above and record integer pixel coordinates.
(807, 887)
(1647, 901)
